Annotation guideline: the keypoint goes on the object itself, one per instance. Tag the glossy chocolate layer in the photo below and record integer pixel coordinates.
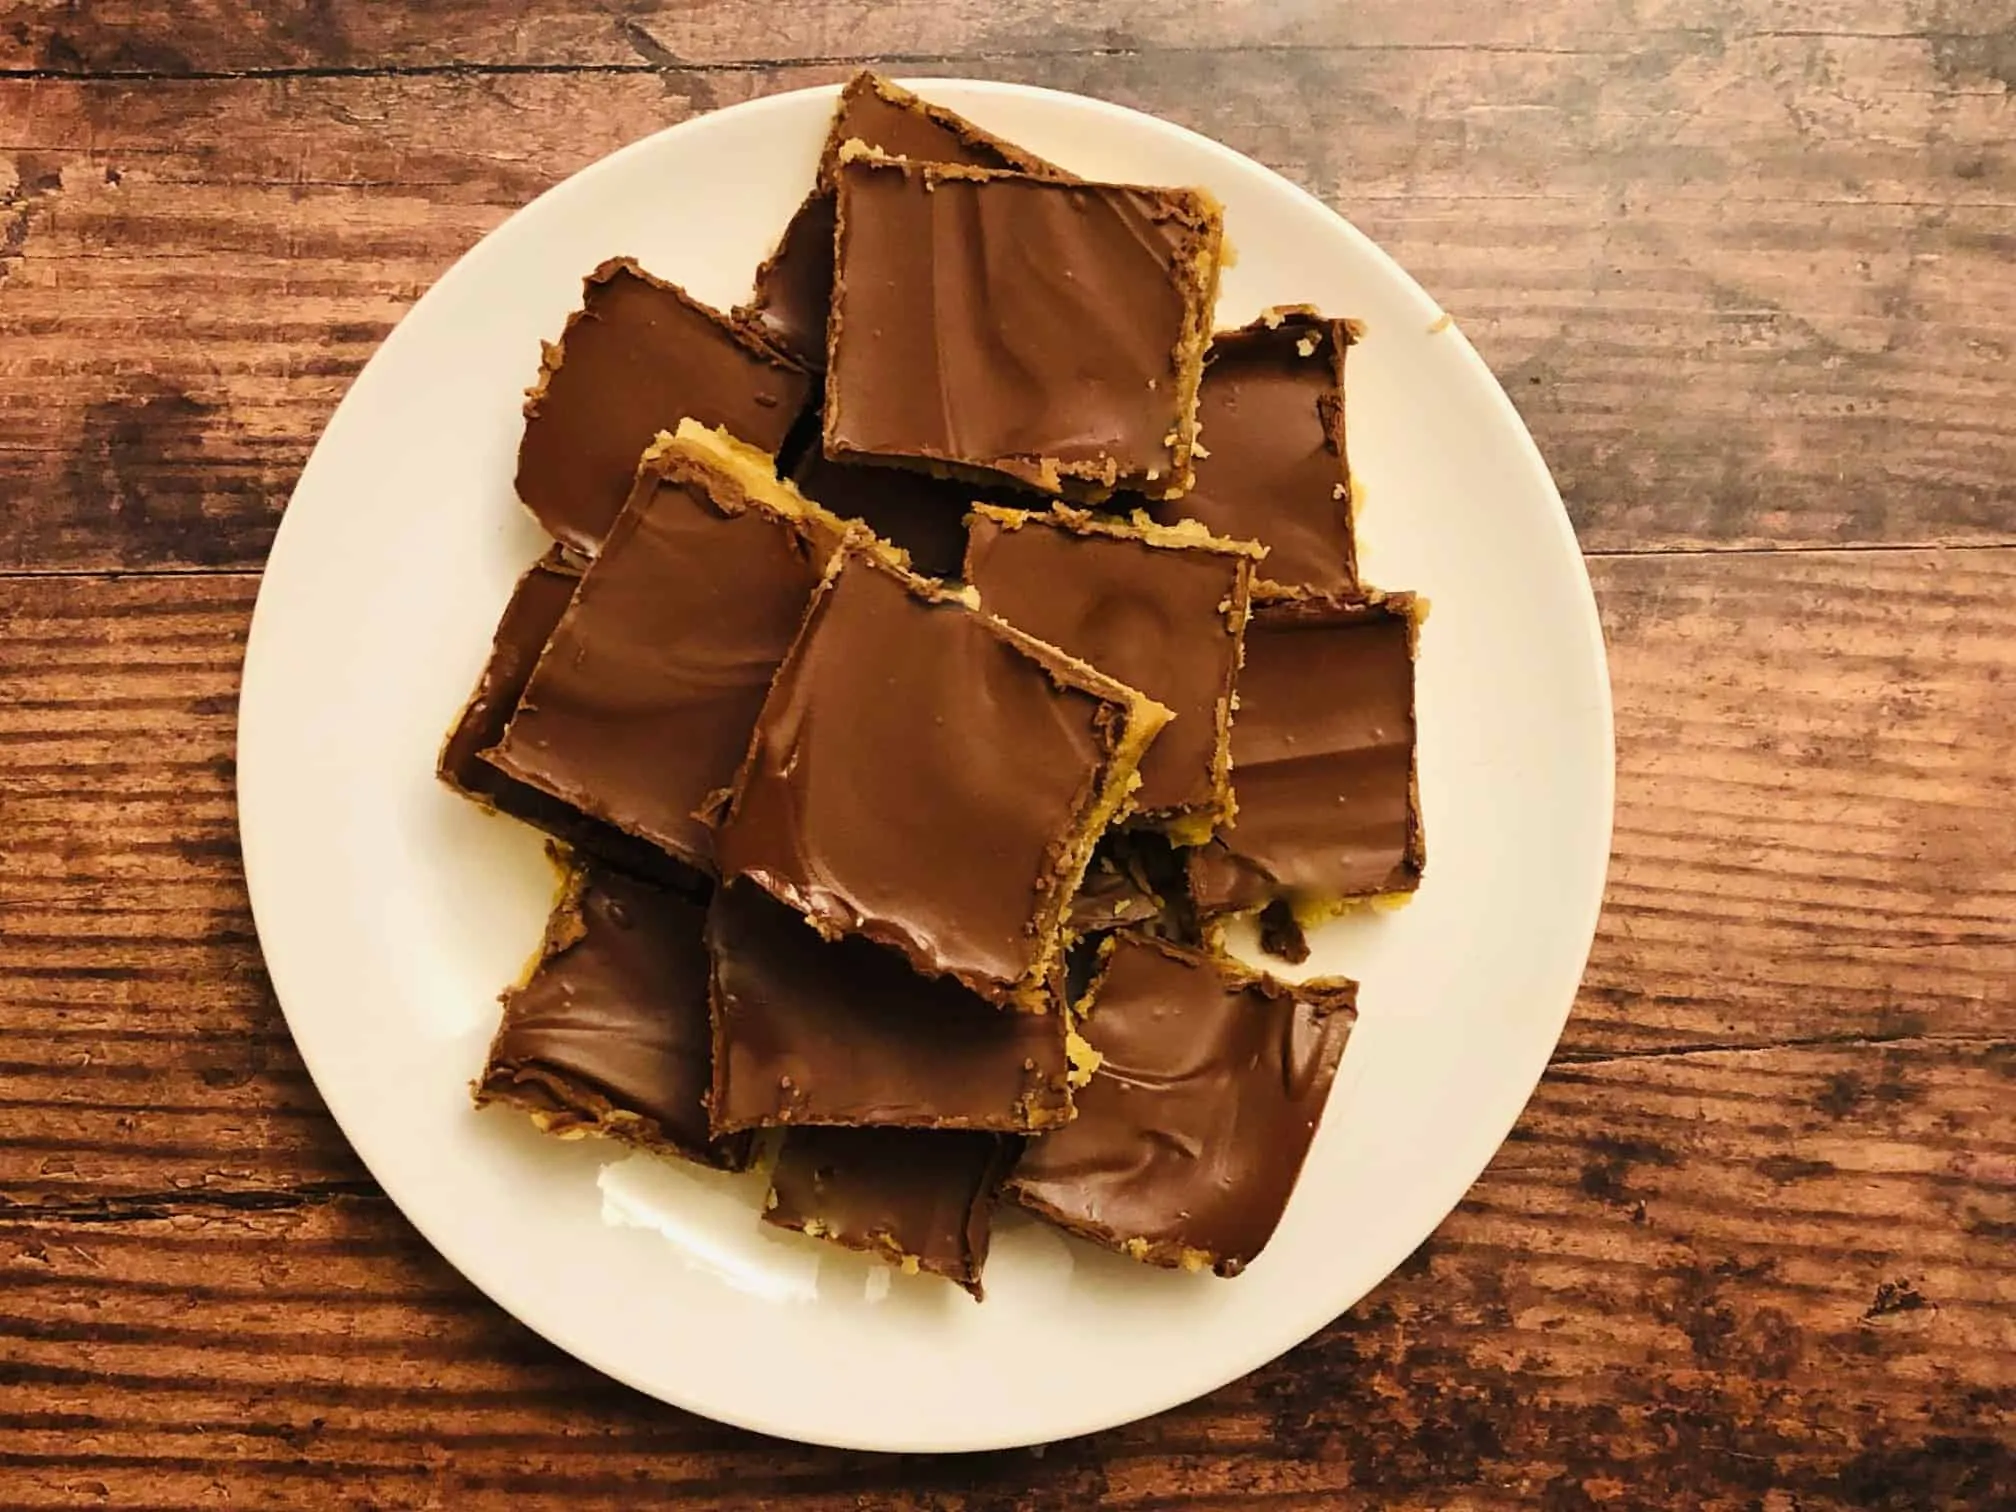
(536, 604)
(1160, 612)
(812, 1031)
(1192, 1132)
(1322, 760)
(636, 358)
(1272, 467)
(926, 777)
(924, 515)
(921, 1198)
(609, 1035)
(795, 285)
(1061, 340)
(640, 710)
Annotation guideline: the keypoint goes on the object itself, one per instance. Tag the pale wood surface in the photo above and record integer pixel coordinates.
(1750, 271)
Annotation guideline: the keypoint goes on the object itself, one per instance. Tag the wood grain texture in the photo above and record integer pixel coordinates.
(1747, 269)
(1761, 297)
(138, 1027)
(1816, 809)
(154, 38)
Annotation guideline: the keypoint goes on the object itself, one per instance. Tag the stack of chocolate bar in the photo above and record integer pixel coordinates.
(932, 656)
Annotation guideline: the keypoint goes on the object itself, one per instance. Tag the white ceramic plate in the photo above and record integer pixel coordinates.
(391, 912)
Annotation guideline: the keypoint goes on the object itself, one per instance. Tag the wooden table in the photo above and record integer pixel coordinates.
(1749, 269)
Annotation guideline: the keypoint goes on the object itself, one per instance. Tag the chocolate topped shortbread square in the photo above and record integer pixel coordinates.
(640, 709)
(795, 284)
(1272, 467)
(931, 778)
(1000, 324)
(815, 1031)
(609, 1033)
(639, 356)
(1162, 609)
(1322, 761)
(535, 607)
(922, 1199)
(1191, 1133)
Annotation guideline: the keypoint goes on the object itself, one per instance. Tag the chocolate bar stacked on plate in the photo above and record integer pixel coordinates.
(932, 656)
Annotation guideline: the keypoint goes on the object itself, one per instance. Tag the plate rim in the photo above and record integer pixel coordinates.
(1229, 1368)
